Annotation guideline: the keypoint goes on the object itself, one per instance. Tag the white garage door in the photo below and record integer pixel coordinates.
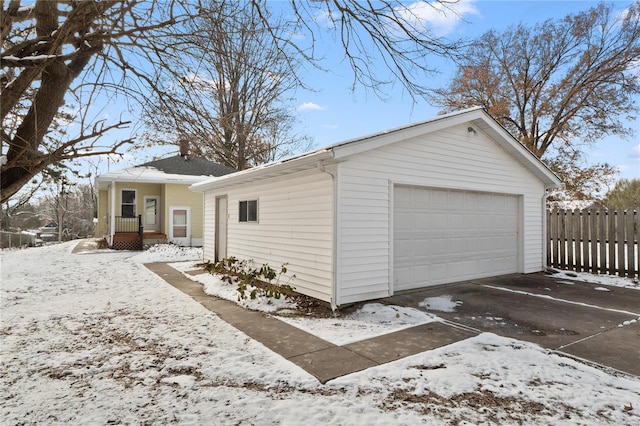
(443, 236)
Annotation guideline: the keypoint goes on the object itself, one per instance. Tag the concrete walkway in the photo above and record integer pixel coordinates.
(85, 246)
(322, 359)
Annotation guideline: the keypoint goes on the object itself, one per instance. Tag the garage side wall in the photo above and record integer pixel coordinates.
(208, 226)
(452, 158)
(295, 217)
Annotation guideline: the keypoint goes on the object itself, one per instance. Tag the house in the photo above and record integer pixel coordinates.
(151, 203)
(449, 199)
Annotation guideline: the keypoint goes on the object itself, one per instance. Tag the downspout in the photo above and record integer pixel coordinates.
(204, 196)
(545, 239)
(334, 237)
(112, 222)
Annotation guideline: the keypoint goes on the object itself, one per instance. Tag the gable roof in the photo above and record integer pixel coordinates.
(188, 165)
(476, 117)
(176, 169)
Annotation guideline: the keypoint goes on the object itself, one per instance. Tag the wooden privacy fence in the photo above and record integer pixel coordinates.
(596, 241)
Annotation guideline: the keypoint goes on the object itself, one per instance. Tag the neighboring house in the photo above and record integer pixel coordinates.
(449, 199)
(154, 197)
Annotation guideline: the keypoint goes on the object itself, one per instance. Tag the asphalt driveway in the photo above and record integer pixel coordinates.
(591, 321)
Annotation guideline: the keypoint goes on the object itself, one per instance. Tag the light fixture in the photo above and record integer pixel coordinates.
(471, 130)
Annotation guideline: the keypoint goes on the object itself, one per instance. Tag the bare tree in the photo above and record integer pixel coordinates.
(46, 46)
(228, 91)
(391, 32)
(70, 205)
(557, 86)
(81, 52)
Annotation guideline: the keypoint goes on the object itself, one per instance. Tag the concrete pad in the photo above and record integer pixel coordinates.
(332, 362)
(609, 297)
(618, 348)
(411, 341)
(579, 319)
(548, 322)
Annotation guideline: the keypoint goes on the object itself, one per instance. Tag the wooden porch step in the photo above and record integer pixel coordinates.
(150, 238)
(154, 236)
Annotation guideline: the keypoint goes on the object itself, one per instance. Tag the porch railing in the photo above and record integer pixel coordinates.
(130, 225)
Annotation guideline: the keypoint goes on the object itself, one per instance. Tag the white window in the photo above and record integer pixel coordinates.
(180, 223)
(128, 203)
(248, 211)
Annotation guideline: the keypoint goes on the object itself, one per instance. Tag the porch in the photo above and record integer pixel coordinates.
(130, 234)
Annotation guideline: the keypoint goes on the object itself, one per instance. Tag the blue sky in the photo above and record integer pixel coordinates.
(333, 112)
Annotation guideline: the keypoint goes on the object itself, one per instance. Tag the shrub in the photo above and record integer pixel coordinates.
(251, 282)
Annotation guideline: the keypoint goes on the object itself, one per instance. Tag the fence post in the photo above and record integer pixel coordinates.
(562, 237)
(636, 239)
(577, 235)
(586, 239)
(570, 232)
(602, 244)
(611, 243)
(620, 242)
(629, 243)
(553, 249)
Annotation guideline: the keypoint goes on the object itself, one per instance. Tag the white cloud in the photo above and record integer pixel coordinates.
(330, 126)
(441, 19)
(309, 106)
(635, 153)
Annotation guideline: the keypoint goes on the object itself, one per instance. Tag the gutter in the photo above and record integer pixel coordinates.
(272, 169)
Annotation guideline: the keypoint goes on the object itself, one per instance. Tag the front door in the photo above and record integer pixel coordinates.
(221, 228)
(180, 225)
(151, 208)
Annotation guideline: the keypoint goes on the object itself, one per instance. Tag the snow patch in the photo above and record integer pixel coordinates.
(101, 339)
(371, 320)
(440, 303)
(168, 253)
(571, 277)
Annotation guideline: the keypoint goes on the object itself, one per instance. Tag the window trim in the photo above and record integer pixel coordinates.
(134, 204)
(246, 215)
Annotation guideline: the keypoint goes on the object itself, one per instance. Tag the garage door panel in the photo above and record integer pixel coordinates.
(445, 236)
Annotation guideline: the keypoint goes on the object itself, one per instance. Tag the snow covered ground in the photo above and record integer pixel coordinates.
(97, 338)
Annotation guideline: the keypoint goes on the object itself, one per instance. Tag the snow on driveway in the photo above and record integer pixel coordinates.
(98, 338)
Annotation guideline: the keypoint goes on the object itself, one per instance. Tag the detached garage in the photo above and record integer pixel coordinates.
(445, 200)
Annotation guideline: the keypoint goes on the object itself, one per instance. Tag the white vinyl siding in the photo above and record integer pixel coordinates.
(451, 158)
(294, 226)
(208, 228)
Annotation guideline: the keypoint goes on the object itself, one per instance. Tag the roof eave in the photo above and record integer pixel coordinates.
(103, 181)
(279, 168)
